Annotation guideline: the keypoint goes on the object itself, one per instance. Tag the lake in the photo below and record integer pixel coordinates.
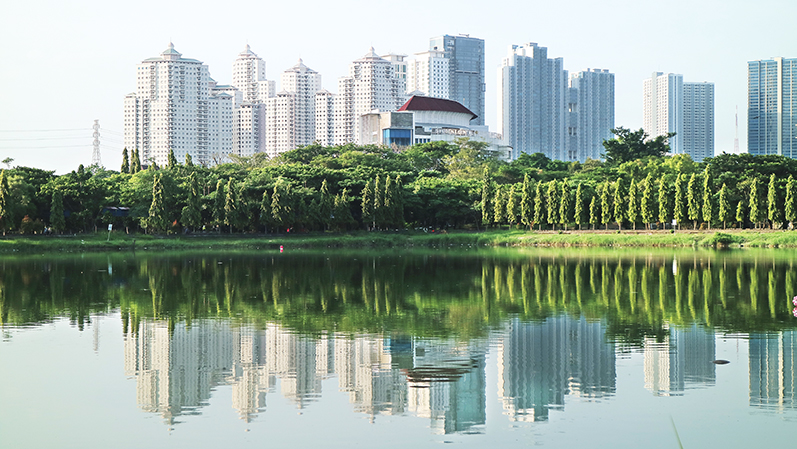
(406, 348)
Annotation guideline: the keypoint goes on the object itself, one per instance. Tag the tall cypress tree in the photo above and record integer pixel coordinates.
(791, 205)
(679, 205)
(327, 204)
(265, 210)
(665, 209)
(398, 202)
(564, 204)
(525, 203)
(218, 205)
(280, 207)
(379, 203)
(487, 194)
(189, 161)
(389, 204)
(594, 212)
(192, 212)
(724, 206)
(499, 206)
(511, 206)
(5, 196)
(135, 165)
(633, 206)
(172, 161)
(230, 206)
(693, 204)
(157, 220)
(578, 206)
(774, 212)
(647, 211)
(619, 211)
(538, 209)
(125, 162)
(708, 210)
(740, 213)
(756, 212)
(553, 204)
(606, 205)
(366, 206)
(57, 221)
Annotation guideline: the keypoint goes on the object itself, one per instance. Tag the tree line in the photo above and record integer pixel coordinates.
(434, 185)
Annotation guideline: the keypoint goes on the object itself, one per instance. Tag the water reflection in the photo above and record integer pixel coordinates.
(773, 374)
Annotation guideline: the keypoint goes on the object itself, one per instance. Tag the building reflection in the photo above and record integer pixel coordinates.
(682, 361)
(540, 363)
(773, 377)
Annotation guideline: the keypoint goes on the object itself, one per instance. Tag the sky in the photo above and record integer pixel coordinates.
(65, 64)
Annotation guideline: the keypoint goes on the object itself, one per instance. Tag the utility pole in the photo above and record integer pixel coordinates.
(96, 157)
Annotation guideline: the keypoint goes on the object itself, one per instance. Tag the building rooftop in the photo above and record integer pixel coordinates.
(421, 103)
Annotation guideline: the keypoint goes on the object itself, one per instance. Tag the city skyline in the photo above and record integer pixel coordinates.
(94, 55)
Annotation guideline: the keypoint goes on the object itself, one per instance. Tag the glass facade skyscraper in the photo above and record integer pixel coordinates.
(466, 71)
(772, 107)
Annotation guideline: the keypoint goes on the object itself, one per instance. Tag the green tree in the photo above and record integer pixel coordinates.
(157, 220)
(630, 145)
(724, 206)
(594, 217)
(189, 161)
(578, 206)
(774, 211)
(487, 194)
(265, 210)
(633, 207)
(693, 205)
(665, 209)
(708, 210)
(499, 206)
(791, 205)
(5, 194)
(606, 205)
(526, 202)
(619, 211)
(564, 204)
(135, 165)
(231, 206)
(366, 206)
(398, 202)
(647, 212)
(756, 212)
(379, 203)
(125, 162)
(172, 161)
(280, 208)
(511, 206)
(342, 213)
(191, 215)
(538, 209)
(679, 206)
(553, 204)
(327, 204)
(740, 213)
(389, 204)
(57, 221)
(218, 205)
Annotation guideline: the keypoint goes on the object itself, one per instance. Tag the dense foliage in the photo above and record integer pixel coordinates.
(433, 185)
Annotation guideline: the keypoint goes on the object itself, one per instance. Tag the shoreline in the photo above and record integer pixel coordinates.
(99, 242)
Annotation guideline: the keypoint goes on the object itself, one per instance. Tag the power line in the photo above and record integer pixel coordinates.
(41, 138)
(47, 147)
(41, 130)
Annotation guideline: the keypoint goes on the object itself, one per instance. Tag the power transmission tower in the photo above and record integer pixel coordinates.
(96, 157)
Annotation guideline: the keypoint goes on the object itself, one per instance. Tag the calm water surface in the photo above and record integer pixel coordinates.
(507, 348)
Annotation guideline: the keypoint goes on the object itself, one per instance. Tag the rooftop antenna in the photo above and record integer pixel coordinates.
(96, 158)
(736, 139)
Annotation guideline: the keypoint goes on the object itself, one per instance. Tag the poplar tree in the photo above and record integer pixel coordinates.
(192, 213)
(679, 209)
(593, 211)
(157, 220)
(724, 206)
(538, 201)
(389, 203)
(265, 210)
(791, 205)
(189, 161)
(633, 207)
(647, 212)
(740, 213)
(755, 207)
(172, 161)
(231, 206)
(665, 211)
(578, 206)
(57, 221)
(135, 164)
(487, 193)
(366, 206)
(774, 212)
(606, 205)
(499, 207)
(280, 209)
(125, 162)
(693, 206)
(553, 204)
(564, 204)
(525, 203)
(218, 204)
(511, 206)
(619, 213)
(342, 211)
(398, 203)
(326, 205)
(708, 210)
(379, 203)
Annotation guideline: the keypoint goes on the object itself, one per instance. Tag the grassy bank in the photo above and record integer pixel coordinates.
(124, 242)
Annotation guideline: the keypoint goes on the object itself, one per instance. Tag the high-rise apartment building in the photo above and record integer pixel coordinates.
(427, 75)
(532, 100)
(465, 56)
(590, 111)
(698, 130)
(303, 82)
(687, 109)
(772, 107)
(252, 90)
(173, 108)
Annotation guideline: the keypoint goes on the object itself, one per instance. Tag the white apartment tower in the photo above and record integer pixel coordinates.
(304, 82)
(663, 107)
(532, 99)
(253, 90)
(698, 131)
(428, 74)
(171, 109)
(591, 111)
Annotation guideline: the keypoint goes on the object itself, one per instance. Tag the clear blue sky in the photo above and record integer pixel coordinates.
(65, 64)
